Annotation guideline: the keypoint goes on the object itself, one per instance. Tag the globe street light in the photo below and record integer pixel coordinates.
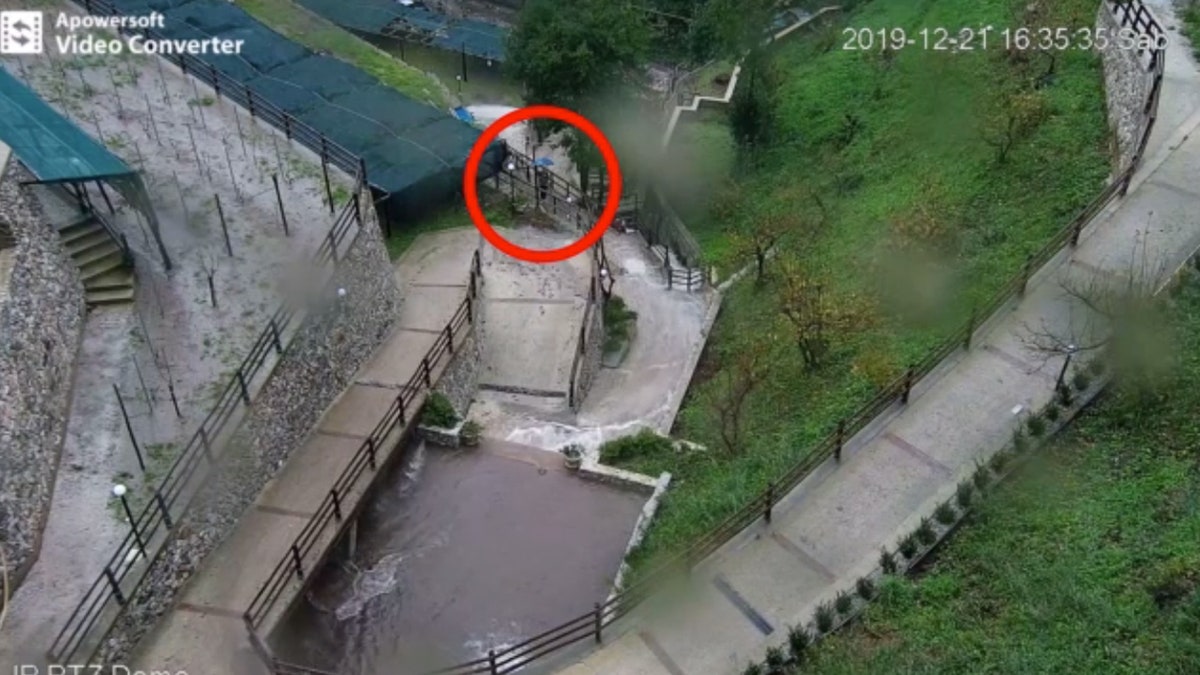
(119, 491)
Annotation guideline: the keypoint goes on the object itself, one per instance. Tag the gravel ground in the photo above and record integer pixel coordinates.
(189, 148)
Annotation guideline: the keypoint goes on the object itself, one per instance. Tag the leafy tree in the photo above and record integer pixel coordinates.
(566, 53)
(812, 314)
(729, 28)
(748, 367)
(752, 109)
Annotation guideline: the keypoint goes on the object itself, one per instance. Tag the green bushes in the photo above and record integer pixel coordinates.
(618, 323)
(439, 412)
(643, 444)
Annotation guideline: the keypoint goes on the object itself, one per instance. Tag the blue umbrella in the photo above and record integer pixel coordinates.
(543, 161)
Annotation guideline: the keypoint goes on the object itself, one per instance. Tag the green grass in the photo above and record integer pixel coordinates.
(923, 129)
(1086, 561)
(316, 33)
(1191, 25)
(495, 207)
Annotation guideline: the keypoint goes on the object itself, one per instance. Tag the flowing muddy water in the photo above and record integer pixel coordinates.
(462, 551)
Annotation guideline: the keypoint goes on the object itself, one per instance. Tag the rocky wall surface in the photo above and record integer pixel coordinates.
(41, 322)
(460, 380)
(1126, 86)
(593, 346)
(318, 363)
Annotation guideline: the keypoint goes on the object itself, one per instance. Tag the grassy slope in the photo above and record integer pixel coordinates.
(924, 126)
(495, 208)
(1191, 25)
(319, 34)
(1060, 569)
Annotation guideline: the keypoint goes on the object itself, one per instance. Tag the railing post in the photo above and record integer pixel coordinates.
(337, 504)
(469, 317)
(1025, 271)
(116, 587)
(425, 370)
(1075, 232)
(332, 245)
(249, 100)
(204, 445)
(296, 560)
(492, 661)
(400, 405)
(841, 440)
(371, 453)
(596, 620)
(449, 338)
(769, 503)
(275, 337)
(212, 72)
(970, 330)
(908, 383)
(287, 126)
(162, 505)
(242, 384)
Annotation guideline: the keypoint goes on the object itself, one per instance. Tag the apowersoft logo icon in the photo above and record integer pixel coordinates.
(20, 32)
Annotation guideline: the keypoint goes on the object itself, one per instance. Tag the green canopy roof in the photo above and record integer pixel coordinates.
(53, 148)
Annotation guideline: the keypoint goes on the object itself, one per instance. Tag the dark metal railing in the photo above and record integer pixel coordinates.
(304, 556)
(896, 393)
(123, 574)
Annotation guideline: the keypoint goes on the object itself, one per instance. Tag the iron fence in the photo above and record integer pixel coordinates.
(591, 624)
(122, 575)
(304, 556)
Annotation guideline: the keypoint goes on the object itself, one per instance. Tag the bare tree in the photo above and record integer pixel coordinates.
(748, 367)
(1014, 116)
(208, 264)
(1112, 314)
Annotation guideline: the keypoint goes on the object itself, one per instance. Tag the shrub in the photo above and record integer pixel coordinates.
(753, 669)
(775, 659)
(1096, 366)
(980, 478)
(908, 546)
(887, 561)
(798, 642)
(1081, 380)
(998, 461)
(1020, 442)
(925, 533)
(945, 513)
(471, 432)
(617, 321)
(1036, 426)
(964, 494)
(1051, 412)
(865, 588)
(644, 443)
(843, 602)
(1064, 396)
(439, 412)
(824, 618)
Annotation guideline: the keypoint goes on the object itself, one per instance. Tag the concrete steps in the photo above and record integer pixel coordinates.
(106, 278)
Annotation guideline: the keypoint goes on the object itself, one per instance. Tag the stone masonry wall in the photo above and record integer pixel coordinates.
(317, 365)
(593, 342)
(1126, 86)
(41, 322)
(460, 381)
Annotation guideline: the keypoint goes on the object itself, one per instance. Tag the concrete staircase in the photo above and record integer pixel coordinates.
(107, 280)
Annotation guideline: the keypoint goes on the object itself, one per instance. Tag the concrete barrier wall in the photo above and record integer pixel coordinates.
(316, 366)
(41, 323)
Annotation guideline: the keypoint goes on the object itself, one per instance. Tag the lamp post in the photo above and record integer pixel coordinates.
(1058, 385)
(119, 491)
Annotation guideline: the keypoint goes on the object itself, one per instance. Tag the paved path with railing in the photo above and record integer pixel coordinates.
(828, 531)
(205, 631)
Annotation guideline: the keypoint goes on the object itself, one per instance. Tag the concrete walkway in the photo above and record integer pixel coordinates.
(204, 632)
(828, 532)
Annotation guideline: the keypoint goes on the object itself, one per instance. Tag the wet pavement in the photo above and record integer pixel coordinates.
(462, 551)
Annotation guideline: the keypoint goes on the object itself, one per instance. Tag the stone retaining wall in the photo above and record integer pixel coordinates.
(41, 323)
(317, 365)
(460, 380)
(1126, 86)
